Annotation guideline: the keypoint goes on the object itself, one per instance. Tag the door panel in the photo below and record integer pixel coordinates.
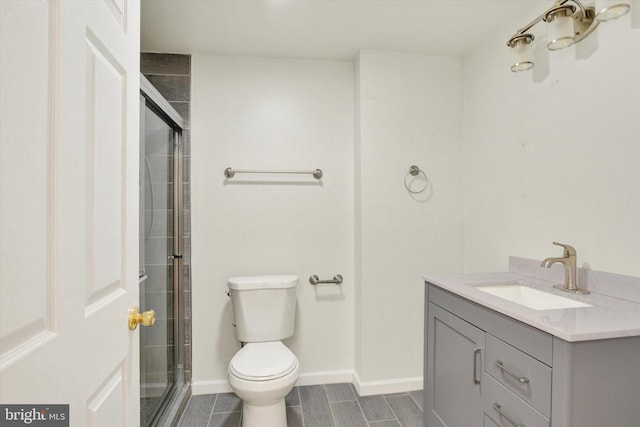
(454, 363)
(107, 405)
(104, 123)
(25, 227)
(69, 215)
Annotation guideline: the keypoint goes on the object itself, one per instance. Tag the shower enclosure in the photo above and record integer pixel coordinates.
(163, 389)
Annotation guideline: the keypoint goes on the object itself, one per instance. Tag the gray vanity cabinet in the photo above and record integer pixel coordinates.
(485, 369)
(455, 368)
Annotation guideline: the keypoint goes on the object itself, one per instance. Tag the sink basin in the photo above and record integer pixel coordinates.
(530, 297)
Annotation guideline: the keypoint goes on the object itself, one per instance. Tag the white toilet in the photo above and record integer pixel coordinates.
(264, 370)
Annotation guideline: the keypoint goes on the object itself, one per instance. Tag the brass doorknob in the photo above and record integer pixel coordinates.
(147, 318)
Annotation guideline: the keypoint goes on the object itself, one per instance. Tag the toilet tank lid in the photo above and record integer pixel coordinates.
(262, 282)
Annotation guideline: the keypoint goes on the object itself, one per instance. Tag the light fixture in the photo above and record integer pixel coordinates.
(606, 10)
(568, 24)
(560, 32)
(522, 52)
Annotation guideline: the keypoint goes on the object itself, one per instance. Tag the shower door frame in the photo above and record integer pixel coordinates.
(175, 400)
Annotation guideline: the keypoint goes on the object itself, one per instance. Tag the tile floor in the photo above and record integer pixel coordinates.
(331, 405)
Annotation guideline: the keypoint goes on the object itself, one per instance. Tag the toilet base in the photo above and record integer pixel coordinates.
(263, 400)
(274, 415)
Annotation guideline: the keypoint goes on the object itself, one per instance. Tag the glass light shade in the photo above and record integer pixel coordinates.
(522, 54)
(560, 33)
(606, 10)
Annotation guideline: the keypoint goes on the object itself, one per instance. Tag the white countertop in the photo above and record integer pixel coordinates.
(610, 317)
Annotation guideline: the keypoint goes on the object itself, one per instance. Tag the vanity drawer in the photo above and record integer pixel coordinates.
(525, 376)
(506, 409)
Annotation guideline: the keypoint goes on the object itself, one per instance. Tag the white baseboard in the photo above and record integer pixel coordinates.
(210, 387)
(367, 388)
(396, 385)
(325, 377)
(309, 378)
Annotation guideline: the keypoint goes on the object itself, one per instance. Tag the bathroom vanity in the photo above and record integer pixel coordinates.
(491, 361)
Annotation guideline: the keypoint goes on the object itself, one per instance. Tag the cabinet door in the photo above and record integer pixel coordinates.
(454, 371)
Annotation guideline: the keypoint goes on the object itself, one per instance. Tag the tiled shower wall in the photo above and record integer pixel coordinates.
(171, 75)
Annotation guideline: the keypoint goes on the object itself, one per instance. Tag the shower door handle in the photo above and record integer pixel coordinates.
(147, 318)
(175, 256)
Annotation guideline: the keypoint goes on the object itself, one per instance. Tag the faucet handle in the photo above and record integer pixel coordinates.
(568, 250)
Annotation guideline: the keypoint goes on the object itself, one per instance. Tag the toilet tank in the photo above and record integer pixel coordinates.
(263, 307)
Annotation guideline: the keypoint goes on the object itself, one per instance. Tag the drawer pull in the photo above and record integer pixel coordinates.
(523, 380)
(498, 408)
(476, 351)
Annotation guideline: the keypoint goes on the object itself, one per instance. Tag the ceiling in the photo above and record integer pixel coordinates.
(326, 29)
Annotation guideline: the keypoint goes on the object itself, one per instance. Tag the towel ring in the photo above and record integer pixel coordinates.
(415, 171)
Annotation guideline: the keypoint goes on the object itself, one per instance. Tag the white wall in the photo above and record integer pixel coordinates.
(409, 112)
(554, 154)
(294, 114)
(251, 113)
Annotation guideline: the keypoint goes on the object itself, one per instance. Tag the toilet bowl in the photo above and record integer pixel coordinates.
(264, 370)
(262, 374)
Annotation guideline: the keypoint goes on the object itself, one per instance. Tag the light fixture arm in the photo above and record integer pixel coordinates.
(520, 32)
(580, 5)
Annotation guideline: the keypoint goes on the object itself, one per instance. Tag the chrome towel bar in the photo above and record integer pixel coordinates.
(315, 280)
(230, 172)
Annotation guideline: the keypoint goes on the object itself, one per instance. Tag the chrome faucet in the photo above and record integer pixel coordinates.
(568, 261)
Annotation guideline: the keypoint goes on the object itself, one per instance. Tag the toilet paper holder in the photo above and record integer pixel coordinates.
(315, 280)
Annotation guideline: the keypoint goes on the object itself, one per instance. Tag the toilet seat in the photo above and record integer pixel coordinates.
(263, 361)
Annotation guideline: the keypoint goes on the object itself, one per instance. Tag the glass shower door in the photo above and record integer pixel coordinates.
(158, 235)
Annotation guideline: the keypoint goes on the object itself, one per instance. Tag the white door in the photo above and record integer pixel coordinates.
(69, 81)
